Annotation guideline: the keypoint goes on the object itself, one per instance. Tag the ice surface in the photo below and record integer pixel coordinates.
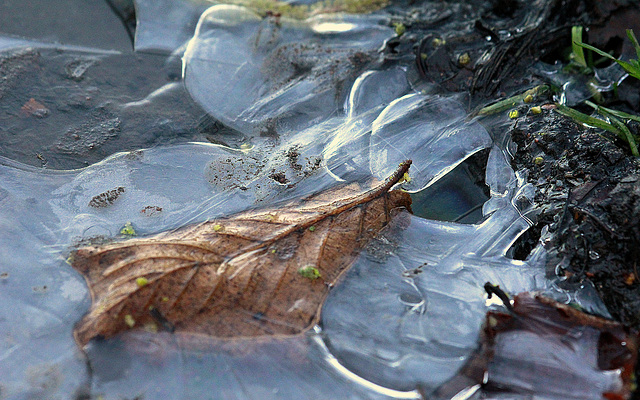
(318, 110)
(274, 75)
(575, 360)
(428, 129)
(403, 334)
(428, 277)
(576, 88)
(166, 25)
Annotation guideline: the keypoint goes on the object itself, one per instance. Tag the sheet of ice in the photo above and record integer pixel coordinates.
(428, 277)
(275, 75)
(44, 213)
(246, 369)
(42, 296)
(417, 127)
(347, 149)
(576, 88)
(573, 360)
(168, 187)
(166, 25)
(386, 123)
(162, 188)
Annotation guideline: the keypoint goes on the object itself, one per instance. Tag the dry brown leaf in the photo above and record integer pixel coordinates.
(550, 349)
(260, 272)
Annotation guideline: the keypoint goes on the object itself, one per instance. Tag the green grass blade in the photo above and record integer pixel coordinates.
(621, 129)
(633, 39)
(627, 133)
(587, 119)
(577, 50)
(511, 102)
(629, 67)
(596, 50)
(619, 114)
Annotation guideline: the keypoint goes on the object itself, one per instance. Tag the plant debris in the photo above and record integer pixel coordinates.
(209, 281)
(128, 230)
(310, 272)
(35, 108)
(151, 211)
(544, 348)
(106, 198)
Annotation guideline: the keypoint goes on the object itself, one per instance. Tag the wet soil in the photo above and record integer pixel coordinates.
(588, 190)
(588, 193)
(89, 24)
(65, 109)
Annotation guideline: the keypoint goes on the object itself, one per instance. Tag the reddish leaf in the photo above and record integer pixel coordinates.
(551, 350)
(260, 272)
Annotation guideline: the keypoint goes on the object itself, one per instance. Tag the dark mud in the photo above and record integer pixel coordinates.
(65, 109)
(588, 191)
(487, 48)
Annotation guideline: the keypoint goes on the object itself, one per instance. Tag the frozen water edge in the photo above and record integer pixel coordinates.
(428, 277)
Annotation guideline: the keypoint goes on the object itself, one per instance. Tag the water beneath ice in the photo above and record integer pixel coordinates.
(409, 312)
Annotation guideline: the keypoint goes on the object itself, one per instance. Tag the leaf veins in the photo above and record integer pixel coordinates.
(260, 272)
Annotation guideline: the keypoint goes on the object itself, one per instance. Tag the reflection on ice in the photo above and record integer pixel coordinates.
(332, 27)
(274, 75)
(416, 127)
(375, 89)
(294, 368)
(428, 277)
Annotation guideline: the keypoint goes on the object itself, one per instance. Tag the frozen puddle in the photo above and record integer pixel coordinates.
(317, 109)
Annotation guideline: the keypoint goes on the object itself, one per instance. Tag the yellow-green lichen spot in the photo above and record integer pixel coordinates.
(127, 230)
(309, 272)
